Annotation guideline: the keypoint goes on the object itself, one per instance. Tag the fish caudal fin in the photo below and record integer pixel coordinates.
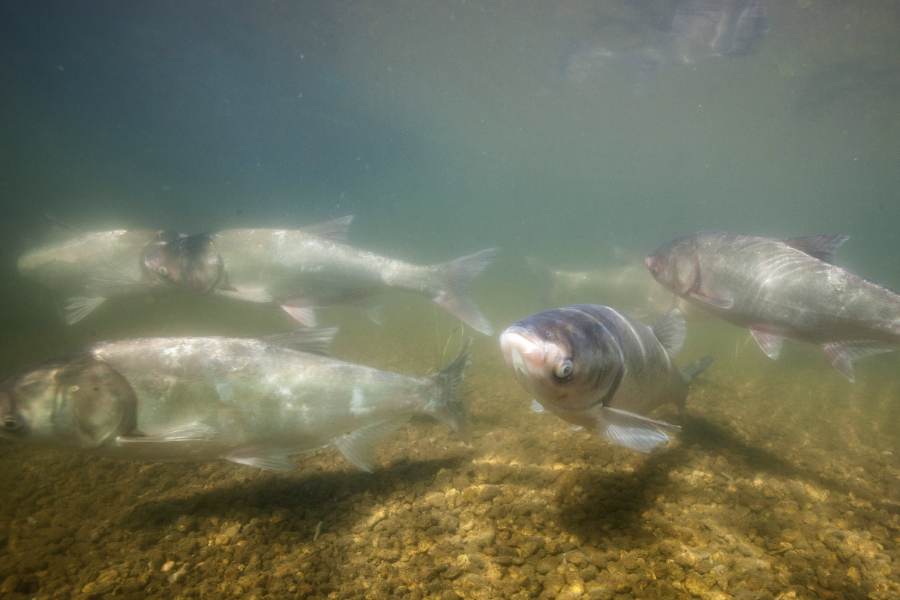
(454, 295)
(448, 406)
(80, 307)
(694, 369)
(844, 354)
(632, 430)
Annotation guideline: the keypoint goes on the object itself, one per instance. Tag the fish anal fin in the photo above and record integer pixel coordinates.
(670, 330)
(278, 462)
(844, 354)
(372, 308)
(311, 339)
(633, 430)
(303, 314)
(818, 246)
(358, 445)
(334, 230)
(769, 343)
(712, 301)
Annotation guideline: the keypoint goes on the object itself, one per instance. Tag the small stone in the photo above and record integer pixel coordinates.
(168, 566)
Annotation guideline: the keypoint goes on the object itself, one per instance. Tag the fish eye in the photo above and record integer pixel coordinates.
(564, 369)
(162, 270)
(11, 424)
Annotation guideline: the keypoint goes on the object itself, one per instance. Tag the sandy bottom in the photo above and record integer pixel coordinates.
(785, 483)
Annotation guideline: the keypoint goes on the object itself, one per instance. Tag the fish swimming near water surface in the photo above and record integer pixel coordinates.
(300, 270)
(89, 266)
(700, 30)
(597, 368)
(782, 289)
(249, 401)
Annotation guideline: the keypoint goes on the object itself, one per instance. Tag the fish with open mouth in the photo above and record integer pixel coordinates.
(253, 401)
(303, 269)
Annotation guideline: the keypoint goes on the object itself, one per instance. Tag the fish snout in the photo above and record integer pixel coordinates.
(523, 355)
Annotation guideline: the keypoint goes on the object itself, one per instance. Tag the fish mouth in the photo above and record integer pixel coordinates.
(522, 353)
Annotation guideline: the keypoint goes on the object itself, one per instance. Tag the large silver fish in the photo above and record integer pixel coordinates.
(594, 367)
(84, 263)
(249, 401)
(627, 287)
(300, 270)
(782, 289)
(700, 30)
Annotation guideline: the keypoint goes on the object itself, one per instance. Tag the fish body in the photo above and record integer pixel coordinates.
(628, 288)
(598, 368)
(300, 270)
(84, 264)
(249, 401)
(700, 30)
(782, 289)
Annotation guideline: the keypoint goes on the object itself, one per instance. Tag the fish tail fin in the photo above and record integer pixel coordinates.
(453, 294)
(449, 406)
(694, 369)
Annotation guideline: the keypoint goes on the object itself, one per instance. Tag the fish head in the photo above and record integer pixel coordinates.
(565, 358)
(191, 263)
(675, 265)
(74, 402)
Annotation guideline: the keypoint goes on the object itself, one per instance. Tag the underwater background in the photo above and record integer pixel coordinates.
(447, 127)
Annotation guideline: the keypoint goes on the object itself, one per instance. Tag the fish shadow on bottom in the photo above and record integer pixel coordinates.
(315, 496)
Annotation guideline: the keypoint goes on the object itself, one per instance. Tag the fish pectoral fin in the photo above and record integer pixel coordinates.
(247, 294)
(192, 433)
(717, 302)
(278, 462)
(633, 430)
(311, 339)
(844, 354)
(670, 330)
(334, 230)
(537, 407)
(770, 343)
(357, 446)
(818, 246)
(79, 307)
(303, 314)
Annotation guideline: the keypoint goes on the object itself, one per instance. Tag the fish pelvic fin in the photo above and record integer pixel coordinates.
(79, 307)
(453, 294)
(358, 445)
(633, 430)
(449, 406)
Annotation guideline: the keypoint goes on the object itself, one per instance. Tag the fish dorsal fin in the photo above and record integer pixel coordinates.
(670, 330)
(357, 446)
(818, 246)
(311, 339)
(334, 230)
(844, 354)
(632, 430)
(770, 343)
